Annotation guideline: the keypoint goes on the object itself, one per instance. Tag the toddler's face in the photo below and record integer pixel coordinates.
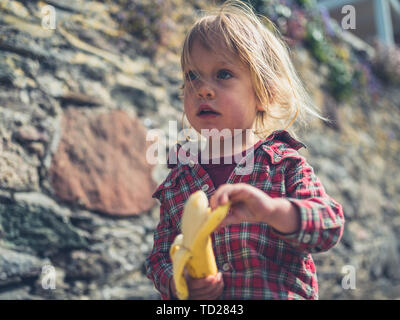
(224, 86)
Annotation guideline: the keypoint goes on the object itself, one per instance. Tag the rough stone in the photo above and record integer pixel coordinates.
(39, 229)
(16, 173)
(101, 164)
(15, 267)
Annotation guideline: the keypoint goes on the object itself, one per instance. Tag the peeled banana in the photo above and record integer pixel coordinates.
(193, 248)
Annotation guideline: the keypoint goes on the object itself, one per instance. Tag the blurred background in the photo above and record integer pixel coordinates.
(81, 82)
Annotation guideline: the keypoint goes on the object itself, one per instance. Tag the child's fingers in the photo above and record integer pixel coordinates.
(204, 293)
(200, 283)
(212, 290)
(213, 294)
(218, 289)
(229, 192)
(221, 196)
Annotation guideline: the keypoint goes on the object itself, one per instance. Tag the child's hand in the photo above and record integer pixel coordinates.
(209, 288)
(172, 287)
(248, 203)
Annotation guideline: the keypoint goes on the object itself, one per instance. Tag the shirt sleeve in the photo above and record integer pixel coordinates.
(158, 263)
(322, 219)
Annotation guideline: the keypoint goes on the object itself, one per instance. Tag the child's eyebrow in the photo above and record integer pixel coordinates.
(225, 63)
(218, 64)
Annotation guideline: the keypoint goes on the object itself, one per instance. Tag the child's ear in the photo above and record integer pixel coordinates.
(259, 107)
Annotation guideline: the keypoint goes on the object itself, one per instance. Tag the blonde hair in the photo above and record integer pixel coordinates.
(275, 81)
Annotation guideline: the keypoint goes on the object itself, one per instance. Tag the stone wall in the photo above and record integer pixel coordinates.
(75, 186)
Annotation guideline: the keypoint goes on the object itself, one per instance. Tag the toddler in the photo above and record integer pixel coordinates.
(238, 77)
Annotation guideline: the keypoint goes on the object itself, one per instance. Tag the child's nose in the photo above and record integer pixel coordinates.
(205, 91)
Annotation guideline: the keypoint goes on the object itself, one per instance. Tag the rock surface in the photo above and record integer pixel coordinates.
(100, 163)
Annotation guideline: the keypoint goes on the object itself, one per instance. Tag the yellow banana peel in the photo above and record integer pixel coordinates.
(193, 248)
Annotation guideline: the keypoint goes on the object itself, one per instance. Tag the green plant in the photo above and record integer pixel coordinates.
(306, 24)
(340, 79)
(341, 75)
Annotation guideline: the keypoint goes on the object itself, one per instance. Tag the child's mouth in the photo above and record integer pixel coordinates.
(208, 114)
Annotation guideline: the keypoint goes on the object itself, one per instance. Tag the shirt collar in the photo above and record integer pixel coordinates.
(274, 145)
(277, 136)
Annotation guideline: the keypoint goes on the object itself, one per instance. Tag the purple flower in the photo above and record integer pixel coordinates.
(327, 23)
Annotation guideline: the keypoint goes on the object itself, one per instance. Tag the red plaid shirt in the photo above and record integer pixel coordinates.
(256, 261)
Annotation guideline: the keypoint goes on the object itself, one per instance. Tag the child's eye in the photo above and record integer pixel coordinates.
(224, 74)
(190, 75)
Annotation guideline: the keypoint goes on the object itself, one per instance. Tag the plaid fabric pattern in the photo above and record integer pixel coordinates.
(256, 261)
